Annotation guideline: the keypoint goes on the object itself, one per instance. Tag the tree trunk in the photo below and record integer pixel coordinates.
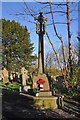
(69, 39)
(59, 39)
(55, 53)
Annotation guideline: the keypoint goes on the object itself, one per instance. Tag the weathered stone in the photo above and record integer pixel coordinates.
(49, 102)
(59, 83)
(14, 75)
(45, 93)
(5, 76)
(26, 88)
(11, 76)
(0, 75)
(24, 76)
(45, 102)
(35, 79)
(53, 92)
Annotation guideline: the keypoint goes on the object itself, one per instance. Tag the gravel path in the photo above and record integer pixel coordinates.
(19, 107)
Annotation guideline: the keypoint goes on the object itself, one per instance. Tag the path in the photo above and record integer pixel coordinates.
(19, 107)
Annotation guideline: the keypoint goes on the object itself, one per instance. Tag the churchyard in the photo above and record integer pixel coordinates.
(38, 93)
(17, 104)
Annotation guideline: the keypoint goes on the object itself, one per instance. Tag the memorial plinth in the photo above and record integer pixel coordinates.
(46, 88)
(35, 79)
(47, 102)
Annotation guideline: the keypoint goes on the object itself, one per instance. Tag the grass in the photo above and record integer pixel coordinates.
(65, 103)
(10, 89)
(68, 96)
(75, 96)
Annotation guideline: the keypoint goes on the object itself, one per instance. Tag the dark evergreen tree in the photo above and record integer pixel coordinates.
(17, 47)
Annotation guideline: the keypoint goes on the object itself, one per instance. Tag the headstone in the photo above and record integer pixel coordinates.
(5, 75)
(0, 75)
(26, 88)
(18, 74)
(24, 76)
(59, 83)
(14, 75)
(11, 77)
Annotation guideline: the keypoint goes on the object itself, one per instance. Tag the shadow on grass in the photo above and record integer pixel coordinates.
(71, 102)
(16, 106)
(72, 108)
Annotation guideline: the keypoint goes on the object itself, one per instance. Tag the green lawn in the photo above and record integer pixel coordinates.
(10, 89)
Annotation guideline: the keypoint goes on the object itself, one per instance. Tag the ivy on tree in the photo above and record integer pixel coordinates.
(17, 47)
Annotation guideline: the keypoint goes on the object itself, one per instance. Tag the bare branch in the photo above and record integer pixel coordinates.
(56, 23)
(48, 3)
(58, 4)
(55, 12)
(61, 8)
(41, 2)
(73, 19)
(25, 14)
(58, 37)
(60, 23)
(54, 52)
(28, 9)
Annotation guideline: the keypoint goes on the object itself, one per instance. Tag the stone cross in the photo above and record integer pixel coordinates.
(41, 29)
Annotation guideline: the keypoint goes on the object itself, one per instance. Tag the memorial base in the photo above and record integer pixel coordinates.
(48, 102)
(45, 93)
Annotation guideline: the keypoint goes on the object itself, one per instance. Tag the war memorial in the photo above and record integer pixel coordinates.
(43, 98)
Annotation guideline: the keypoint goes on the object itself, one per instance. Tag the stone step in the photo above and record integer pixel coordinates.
(45, 93)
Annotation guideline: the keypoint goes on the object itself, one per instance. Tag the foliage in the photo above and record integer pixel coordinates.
(17, 47)
(56, 90)
(73, 90)
(52, 71)
(33, 68)
(74, 83)
(28, 83)
(36, 91)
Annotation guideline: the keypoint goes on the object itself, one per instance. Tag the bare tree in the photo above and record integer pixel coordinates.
(59, 38)
(54, 52)
(52, 11)
(47, 60)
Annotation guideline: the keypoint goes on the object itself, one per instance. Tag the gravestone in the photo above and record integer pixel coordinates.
(0, 75)
(18, 74)
(24, 76)
(26, 88)
(11, 77)
(5, 75)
